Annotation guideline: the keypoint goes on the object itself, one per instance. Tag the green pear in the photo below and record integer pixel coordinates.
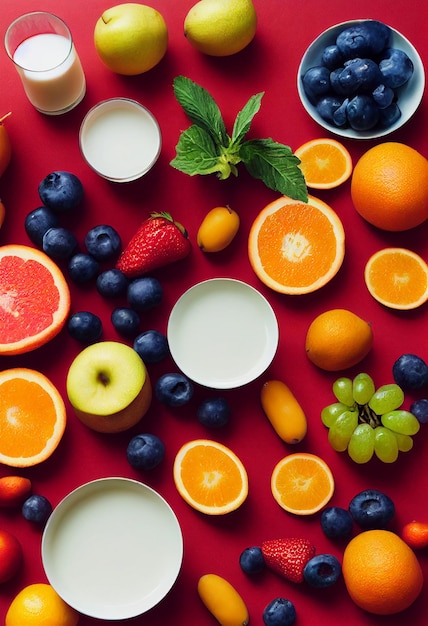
(221, 27)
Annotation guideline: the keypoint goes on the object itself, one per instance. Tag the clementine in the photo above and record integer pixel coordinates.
(325, 163)
(389, 186)
(38, 605)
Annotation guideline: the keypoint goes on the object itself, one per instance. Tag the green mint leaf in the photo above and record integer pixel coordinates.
(245, 117)
(276, 165)
(201, 108)
(196, 153)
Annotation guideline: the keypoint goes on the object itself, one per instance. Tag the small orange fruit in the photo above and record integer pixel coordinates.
(222, 600)
(10, 556)
(283, 411)
(325, 163)
(5, 146)
(32, 417)
(296, 248)
(381, 573)
(40, 605)
(397, 278)
(210, 477)
(415, 534)
(389, 186)
(302, 483)
(14, 490)
(34, 296)
(218, 229)
(338, 339)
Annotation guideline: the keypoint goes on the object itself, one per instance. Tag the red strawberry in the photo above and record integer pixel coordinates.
(159, 241)
(288, 556)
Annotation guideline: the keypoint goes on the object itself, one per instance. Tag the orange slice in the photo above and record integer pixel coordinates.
(325, 163)
(32, 417)
(34, 299)
(210, 477)
(397, 278)
(302, 483)
(296, 248)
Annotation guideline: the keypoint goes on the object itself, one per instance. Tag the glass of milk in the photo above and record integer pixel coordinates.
(41, 47)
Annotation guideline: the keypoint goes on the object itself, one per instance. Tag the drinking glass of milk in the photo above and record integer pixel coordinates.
(41, 47)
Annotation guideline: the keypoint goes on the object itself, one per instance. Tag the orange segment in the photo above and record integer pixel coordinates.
(210, 477)
(32, 417)
(397, 278)
(34, 299)
(325, 163)
(296, 248)
(302, 483)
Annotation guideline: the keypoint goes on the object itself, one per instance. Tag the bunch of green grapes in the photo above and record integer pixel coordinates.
(367, 421)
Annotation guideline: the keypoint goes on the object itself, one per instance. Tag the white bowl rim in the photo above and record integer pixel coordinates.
(416, 82)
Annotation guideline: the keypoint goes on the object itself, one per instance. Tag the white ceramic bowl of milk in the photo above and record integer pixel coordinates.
(120, 139)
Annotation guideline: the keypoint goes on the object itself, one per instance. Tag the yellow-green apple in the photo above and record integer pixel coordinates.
(109, 387)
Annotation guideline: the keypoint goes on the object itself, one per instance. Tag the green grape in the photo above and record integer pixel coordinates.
(386, 398)
(401, 422)
(330, 413)
(341, 431)
(361, 444)
(362, 388)
(342, 389)
(385, 444)
(405, 442)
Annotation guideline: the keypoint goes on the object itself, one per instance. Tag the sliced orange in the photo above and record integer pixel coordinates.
(397, 278)
(32, 417)
(294, 247)
(302, 483)
(325, 163)
(34, 299)
(210, 477)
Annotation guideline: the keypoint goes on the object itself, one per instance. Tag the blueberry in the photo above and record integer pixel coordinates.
(336, 85)
(279, 612)
(174, 389)
(152, 346)
(419, 408)
(340, 117)
(61, 191)
(372, 509)
(327, 106)
(359, 75)
(252, 561)
(37, 508)
(112, 283)
(103, 242)
(38, 222)
(82, 267)
(396, 67)
(323, 570)
(410, 372)
(389, 115)
(368, 38)
(144, 293)
(383, 96)
(145, 452)
(362, 112)
(316, 82)
(126, 321)
(214, 412)
(85, 327)
(332, 57)
(59, 243)
(336, 522)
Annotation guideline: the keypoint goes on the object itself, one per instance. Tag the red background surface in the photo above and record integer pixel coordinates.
(43, 144)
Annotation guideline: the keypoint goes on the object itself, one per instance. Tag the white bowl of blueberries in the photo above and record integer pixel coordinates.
(361, 79)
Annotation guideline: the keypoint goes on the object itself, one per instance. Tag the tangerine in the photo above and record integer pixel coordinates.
(381, 573)
(296, 247)
(397, 278)
(210, 477)
(389, 186)
(34, 299)
(14, 490)
(325, 163)
(32, 417)
(5, 146)
(11, 556)
(40, 605)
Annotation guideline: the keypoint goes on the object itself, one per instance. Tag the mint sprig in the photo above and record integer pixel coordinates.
(206, 147)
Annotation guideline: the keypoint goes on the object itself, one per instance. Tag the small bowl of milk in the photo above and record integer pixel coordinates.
(120, 139)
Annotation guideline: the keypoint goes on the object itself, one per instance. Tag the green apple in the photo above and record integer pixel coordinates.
(108, 387)
(131, 38)
(221, 27)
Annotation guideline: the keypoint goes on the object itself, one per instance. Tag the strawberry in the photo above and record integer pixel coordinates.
(158, 241)
(288, 556)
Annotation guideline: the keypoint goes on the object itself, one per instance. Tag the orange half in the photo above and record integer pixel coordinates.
(294, 247)
(325, 163)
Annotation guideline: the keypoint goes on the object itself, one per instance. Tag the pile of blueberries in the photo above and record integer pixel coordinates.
(357, 82)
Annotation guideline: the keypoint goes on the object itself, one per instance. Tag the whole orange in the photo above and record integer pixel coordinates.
(389, 186)
(381, 573)
(40, 605)
(10, 556)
